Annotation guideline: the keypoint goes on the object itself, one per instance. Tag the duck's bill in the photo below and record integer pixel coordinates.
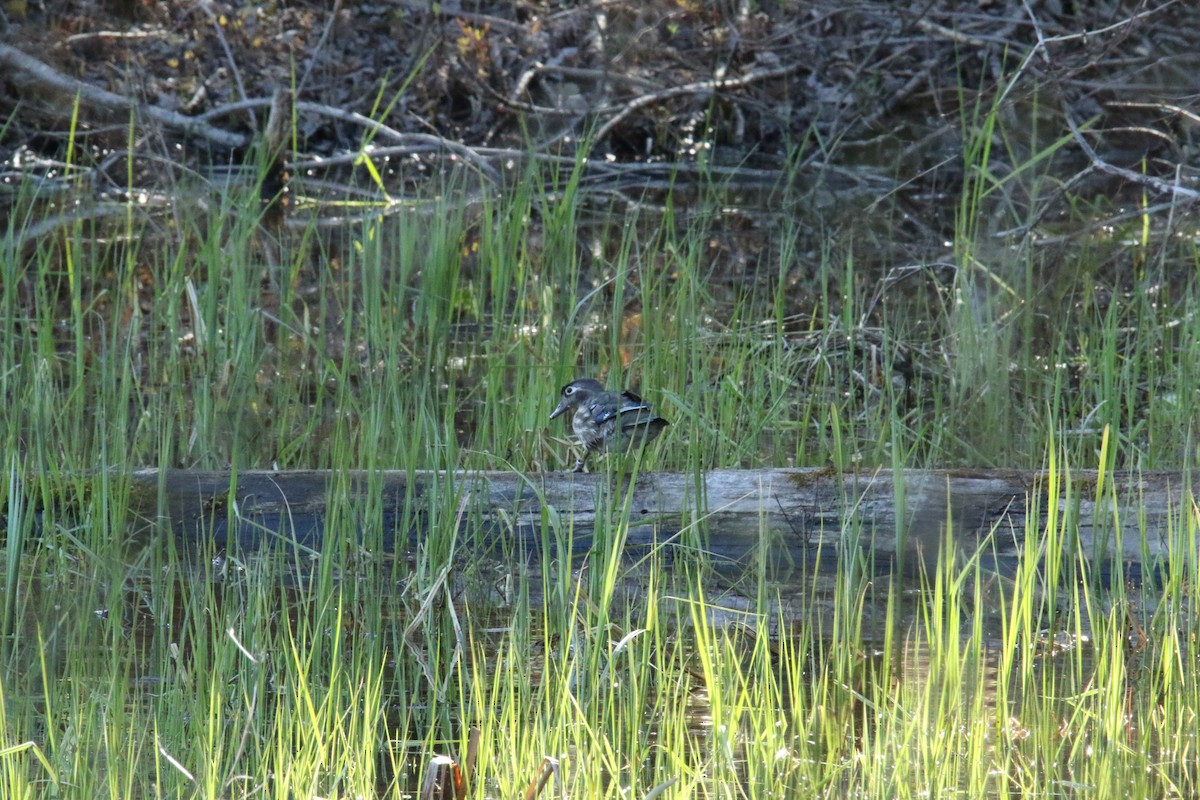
(561, 408)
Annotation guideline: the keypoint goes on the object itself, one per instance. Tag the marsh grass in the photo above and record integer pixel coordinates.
(437, 337)
(336, 670)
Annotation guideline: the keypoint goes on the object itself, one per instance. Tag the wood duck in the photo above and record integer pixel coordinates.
(606, 421)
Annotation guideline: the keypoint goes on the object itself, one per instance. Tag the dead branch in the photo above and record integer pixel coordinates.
(699, 87)
(1157, 184)
(374, 129)
(46, 75)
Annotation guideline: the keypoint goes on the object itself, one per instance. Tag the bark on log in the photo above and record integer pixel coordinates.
(783, 517)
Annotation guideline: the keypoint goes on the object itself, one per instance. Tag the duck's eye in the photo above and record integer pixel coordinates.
(567, 392)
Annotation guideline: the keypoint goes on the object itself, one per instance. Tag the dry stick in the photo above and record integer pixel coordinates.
(89, 214)
(439, 780)
(472, 754)
(549, 769)
(1191, 116)
(1170, 227)
(377, 128)
(199, 125)
(1157, 184)
(1167, 187)
(206, 5)
(1062, 191)
(699, 87)
(923, 75)
(312, 58)
(44, 74)
(1066, 37)
(958, 37)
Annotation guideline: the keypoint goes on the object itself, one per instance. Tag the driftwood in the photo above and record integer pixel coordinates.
(783, 517)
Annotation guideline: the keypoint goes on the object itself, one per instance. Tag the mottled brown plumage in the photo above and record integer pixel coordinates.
(606, 421)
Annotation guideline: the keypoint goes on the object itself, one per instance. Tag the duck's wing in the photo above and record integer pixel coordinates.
(613, 405)
(640, 416)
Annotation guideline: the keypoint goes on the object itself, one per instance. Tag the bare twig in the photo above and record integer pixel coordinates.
(375, 129)
(206, 6)
(1157, 184)
(316, 51)
(1191, 116)
(699, 87)
(47, 76)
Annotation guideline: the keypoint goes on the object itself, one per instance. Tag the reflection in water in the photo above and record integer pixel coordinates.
(813, 671)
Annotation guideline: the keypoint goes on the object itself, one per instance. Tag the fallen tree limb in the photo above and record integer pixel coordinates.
(44, 74)
(736, 516)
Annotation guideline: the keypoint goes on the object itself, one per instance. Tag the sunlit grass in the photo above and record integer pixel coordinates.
(346, 673)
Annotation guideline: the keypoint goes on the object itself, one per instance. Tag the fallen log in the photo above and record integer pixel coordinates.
(781, 517)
